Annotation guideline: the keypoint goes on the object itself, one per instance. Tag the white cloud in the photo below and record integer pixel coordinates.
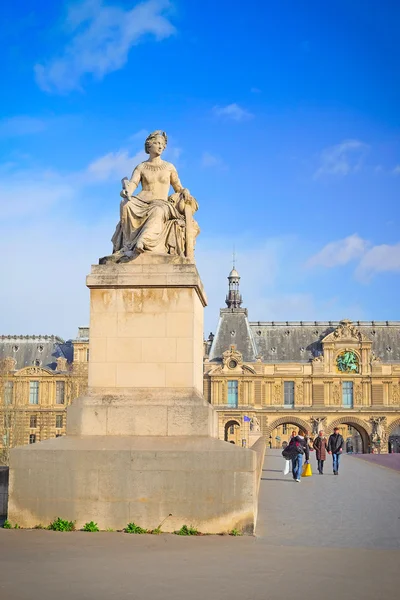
(396, 170)
(339, 253)
(342, 159)
(233, 112)
(114, 165)
(379, 259)
(21, 125)
(101, 37)
(211, 160)
(371, 259)
(26, 192)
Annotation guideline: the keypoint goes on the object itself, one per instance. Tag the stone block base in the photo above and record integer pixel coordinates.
(114, 480)
(147, 412)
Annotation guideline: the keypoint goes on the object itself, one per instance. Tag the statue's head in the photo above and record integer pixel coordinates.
(157, 138)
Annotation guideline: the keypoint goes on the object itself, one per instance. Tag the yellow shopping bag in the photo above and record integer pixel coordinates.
(307, 471)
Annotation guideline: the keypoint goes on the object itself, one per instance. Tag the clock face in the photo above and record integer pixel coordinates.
(347, 362)
(232, 364)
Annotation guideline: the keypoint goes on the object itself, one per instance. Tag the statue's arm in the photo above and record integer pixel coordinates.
(130, 185)
(175, 181)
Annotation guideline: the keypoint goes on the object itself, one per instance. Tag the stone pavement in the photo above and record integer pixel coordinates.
(326, 538)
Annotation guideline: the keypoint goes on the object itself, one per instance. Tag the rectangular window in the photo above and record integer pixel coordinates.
(289, 393)
(60, 392)
(32, 438)
(7, 421)
(33, 392)
(347, 394)
(8, 392)
(233, 393)
(284, 429)
(33, 421)
(59, 421)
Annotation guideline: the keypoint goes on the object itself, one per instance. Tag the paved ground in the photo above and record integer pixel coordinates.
(391, 461)
(326, 538)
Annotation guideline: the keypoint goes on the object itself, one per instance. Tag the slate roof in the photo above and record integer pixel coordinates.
(35, 350)
(294, 341)
(233, 328)
(301, 341)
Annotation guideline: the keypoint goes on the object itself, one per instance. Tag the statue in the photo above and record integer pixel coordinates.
(347, 362)
(378, 431)
(317, 424)
(254, 424)
(152, 220)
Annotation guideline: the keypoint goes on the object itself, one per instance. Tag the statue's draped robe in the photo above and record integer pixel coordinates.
(156, 223)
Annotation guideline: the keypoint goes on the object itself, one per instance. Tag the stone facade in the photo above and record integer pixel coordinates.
(311, 375)
(39, 377)
(257, 357)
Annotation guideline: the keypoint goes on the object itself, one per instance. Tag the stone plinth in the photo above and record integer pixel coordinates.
(146, 344)
(114, 480)
(141, 445)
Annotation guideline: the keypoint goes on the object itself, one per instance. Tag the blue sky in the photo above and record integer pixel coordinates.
(283, 121)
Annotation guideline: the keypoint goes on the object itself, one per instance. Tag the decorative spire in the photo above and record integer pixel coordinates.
(234, 298)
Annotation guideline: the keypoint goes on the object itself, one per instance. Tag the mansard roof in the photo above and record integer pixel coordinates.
(296, 341)
(35, 350)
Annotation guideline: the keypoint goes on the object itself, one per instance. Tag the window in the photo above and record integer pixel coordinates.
(32, 438)
(7, 421)
(233, 393)
(8, 392)
(33, 392)
(289, 393)
(59, 421)
(232, 429)
(284, 429)
(60, 392)
(349, 429)
(33, 421)
(347, 394)
(87, 355)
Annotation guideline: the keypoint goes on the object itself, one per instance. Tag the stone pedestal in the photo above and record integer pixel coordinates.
(141, 445)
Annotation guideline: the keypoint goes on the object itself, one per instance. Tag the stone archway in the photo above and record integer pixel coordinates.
(393, 426)
(393, 436)
(227, 426)
(363, 428)
(287, 420)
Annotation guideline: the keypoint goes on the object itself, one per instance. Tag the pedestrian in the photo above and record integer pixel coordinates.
(335, 447)
(299, 448)
(320, 446)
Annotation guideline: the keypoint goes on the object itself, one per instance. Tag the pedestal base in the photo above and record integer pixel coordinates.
(114, 480)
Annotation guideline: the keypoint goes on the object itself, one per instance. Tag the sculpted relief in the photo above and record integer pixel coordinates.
(152, 220)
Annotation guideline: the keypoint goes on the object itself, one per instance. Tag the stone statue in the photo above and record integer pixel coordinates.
(254, 424)
(152, 220)
(317, 424)
(378, 431)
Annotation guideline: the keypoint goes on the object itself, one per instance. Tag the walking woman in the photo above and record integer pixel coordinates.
(320, 446)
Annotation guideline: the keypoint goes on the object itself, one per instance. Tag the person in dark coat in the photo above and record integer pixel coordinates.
(320, 446)
(298, 448)
(335, 447)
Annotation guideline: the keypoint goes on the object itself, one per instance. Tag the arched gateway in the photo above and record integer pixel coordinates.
(363, 428)
(287, 420)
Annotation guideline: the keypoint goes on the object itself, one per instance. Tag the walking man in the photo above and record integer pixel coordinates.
(335, 447)
(299, 447)
(320, 446)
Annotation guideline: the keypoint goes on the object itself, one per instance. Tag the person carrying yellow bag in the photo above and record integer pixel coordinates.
(307, 471)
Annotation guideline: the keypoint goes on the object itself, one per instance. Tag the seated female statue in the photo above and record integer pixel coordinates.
(151, 220)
